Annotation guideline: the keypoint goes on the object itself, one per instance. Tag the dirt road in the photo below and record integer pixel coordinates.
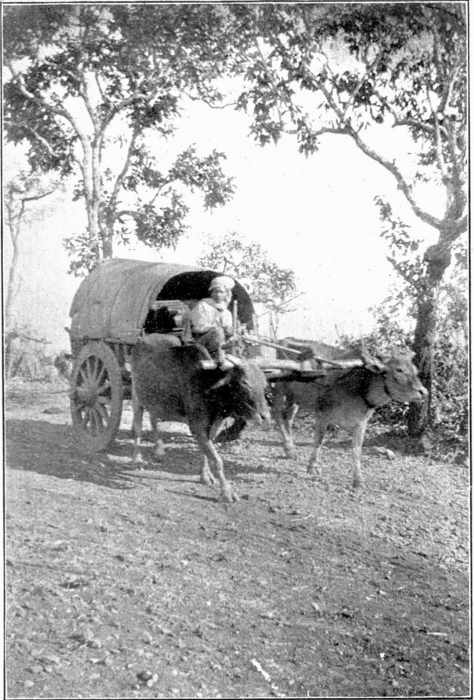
(125, 583)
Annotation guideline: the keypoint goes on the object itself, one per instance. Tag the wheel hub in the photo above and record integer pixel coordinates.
(87, 394)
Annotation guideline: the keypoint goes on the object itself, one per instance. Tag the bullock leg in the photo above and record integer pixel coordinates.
(137, 430)
(207, 477)
(209, 451)
(292, 415)
(159, 449)
(288, 444)
(320, 428)
(357, 441)
(284, 424)
(289, 419)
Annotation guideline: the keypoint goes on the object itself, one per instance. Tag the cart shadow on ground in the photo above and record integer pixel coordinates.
(56, 454)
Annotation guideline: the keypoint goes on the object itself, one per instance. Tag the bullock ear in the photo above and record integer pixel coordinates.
(222, 381)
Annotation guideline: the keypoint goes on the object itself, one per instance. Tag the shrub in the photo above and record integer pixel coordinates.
(26, 356)
(449, 419)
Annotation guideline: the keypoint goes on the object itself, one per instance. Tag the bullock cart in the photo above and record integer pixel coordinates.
(118, 303)
(123, 300)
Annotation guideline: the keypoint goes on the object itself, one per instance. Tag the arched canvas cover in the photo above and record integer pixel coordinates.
(113, 301)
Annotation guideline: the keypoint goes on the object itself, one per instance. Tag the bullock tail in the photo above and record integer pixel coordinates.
(233, 431)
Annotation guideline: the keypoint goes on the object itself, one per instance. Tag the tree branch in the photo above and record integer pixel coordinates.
(401, 182)
(437, 138)
(33, 198)
(206, 101)
(55, 109)
(99, 86)
(84, 93)
(115, 109)
(126, 165)
(388, 165)
(414, 124)
(368, 67)
(40, 138)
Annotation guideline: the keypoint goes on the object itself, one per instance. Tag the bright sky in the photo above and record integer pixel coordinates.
(313, 215)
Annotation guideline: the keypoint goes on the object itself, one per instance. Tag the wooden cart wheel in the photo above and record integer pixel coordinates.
(96, 396)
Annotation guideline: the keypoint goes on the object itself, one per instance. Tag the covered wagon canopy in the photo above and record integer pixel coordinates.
(114, 300)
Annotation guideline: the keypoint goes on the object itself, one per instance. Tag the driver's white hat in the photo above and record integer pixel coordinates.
(222, 282)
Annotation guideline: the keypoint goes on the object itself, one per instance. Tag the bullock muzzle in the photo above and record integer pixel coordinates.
(422, 394)
(262, 417)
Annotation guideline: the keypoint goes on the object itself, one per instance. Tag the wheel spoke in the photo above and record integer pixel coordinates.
(92, 364)
(99, 369)
(83, 375)
(100, 374)
(96, 401)
(80, 403)
(79, 412)
(102, 412)
(96, 421)
(92, 368)
(104, 387)
(85, 418)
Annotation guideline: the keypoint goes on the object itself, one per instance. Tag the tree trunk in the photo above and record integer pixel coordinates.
(437, 259)
(92, 205)
(12, 283)
(107, 248)
(425, 330)
(107, 233)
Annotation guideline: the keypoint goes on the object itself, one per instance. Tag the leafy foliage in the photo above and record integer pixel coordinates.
(314, 70)
(26, 356)
(449, 406)
(93, 89)
(318, 70)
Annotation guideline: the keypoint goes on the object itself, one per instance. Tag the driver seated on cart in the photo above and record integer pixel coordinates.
(210, 320)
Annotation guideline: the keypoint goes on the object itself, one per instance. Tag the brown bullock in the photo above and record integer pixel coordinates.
(347, 399)
(172, 383)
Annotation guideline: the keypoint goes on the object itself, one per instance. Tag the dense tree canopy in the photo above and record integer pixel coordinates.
(342, 69)
(346, 69)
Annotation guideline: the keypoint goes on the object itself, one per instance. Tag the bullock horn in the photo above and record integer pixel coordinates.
(226, 365)
(208, 364)
(233, 359)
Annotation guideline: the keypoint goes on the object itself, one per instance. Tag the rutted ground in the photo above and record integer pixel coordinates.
(143, 584)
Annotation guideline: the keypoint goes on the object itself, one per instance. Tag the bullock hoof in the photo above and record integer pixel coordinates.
(207, 477)
(138, 461)
(290, 452)
(229, 495)
(159, 452)
(313, 472)
(357, 484)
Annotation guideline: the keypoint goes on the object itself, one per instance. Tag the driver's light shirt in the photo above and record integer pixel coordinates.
(207, 314)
